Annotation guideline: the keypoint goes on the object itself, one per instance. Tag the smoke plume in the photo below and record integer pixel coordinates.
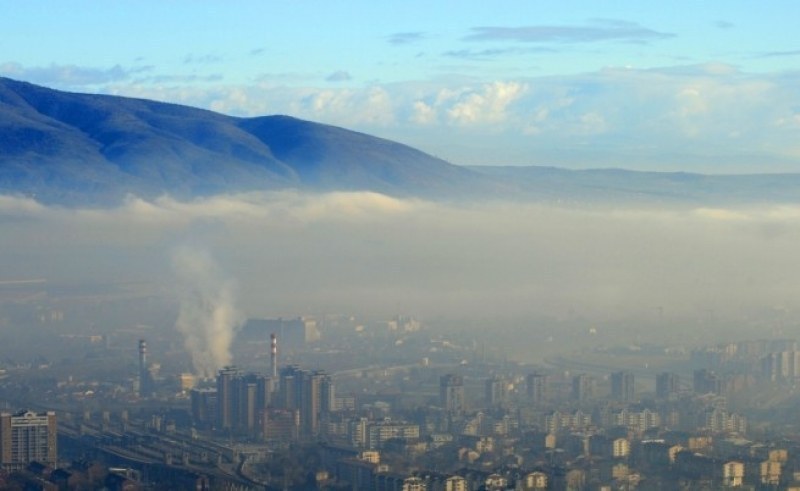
(208, 317)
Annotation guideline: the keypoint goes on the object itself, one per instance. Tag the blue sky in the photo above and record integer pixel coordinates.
(696, 86)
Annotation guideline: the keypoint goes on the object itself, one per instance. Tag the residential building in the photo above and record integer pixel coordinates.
(582, 387)
(733, 474)
(667, 385)
(451, 394)
(537, 383)
(622, 386)
(26, 437)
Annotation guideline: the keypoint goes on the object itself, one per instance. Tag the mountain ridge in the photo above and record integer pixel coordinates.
(65, 146)
(652, 187)
(95, 149)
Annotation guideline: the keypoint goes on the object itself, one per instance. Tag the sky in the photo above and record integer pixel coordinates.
(695, 86)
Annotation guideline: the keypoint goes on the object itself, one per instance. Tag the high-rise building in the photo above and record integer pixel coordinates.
(288, 397)
(28, 436)
(204, 407)
(241, 400)
(451, 394)
(248, 404)
(622, 386)
(582, 387)
(496, 392)
(327, 395)
(311, 393)
(273, 358)
(705, 381)
(667, 385)
(145, 378)
(537, 387)
(357, 432)
(227, 400)
(782, 366)
(310, 389)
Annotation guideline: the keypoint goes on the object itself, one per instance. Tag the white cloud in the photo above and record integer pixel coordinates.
(698, 117)
(339, 76)
(593, 123)
(19, 206)
(423, 113)
(353, 107)
(486, 105)
(69, 76)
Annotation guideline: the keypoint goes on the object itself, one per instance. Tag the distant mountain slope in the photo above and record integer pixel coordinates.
(327, 157)
(625, 186)
(84, 148)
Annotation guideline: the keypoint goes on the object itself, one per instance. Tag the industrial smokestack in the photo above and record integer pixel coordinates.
(142, 355)
(144, 376)
(274, 356)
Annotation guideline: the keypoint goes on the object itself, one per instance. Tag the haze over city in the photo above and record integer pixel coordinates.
(690, 88)
(370, 246)
(344, 252)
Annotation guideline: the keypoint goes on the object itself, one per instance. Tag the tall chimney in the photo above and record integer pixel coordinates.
(142, 356)
(144, 376)
(274, 356)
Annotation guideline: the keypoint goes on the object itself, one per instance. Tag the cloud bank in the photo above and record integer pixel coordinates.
(704, 118)
(600, 30)
(294, 253)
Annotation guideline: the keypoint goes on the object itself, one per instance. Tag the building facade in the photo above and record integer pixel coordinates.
(241, 401)
(667, 385)
(537, 387)
(451, 394)
(26, 437)
(622, 386)
(311, 393)
(582, 387)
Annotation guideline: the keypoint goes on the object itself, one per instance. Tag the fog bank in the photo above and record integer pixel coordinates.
(293, 253)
